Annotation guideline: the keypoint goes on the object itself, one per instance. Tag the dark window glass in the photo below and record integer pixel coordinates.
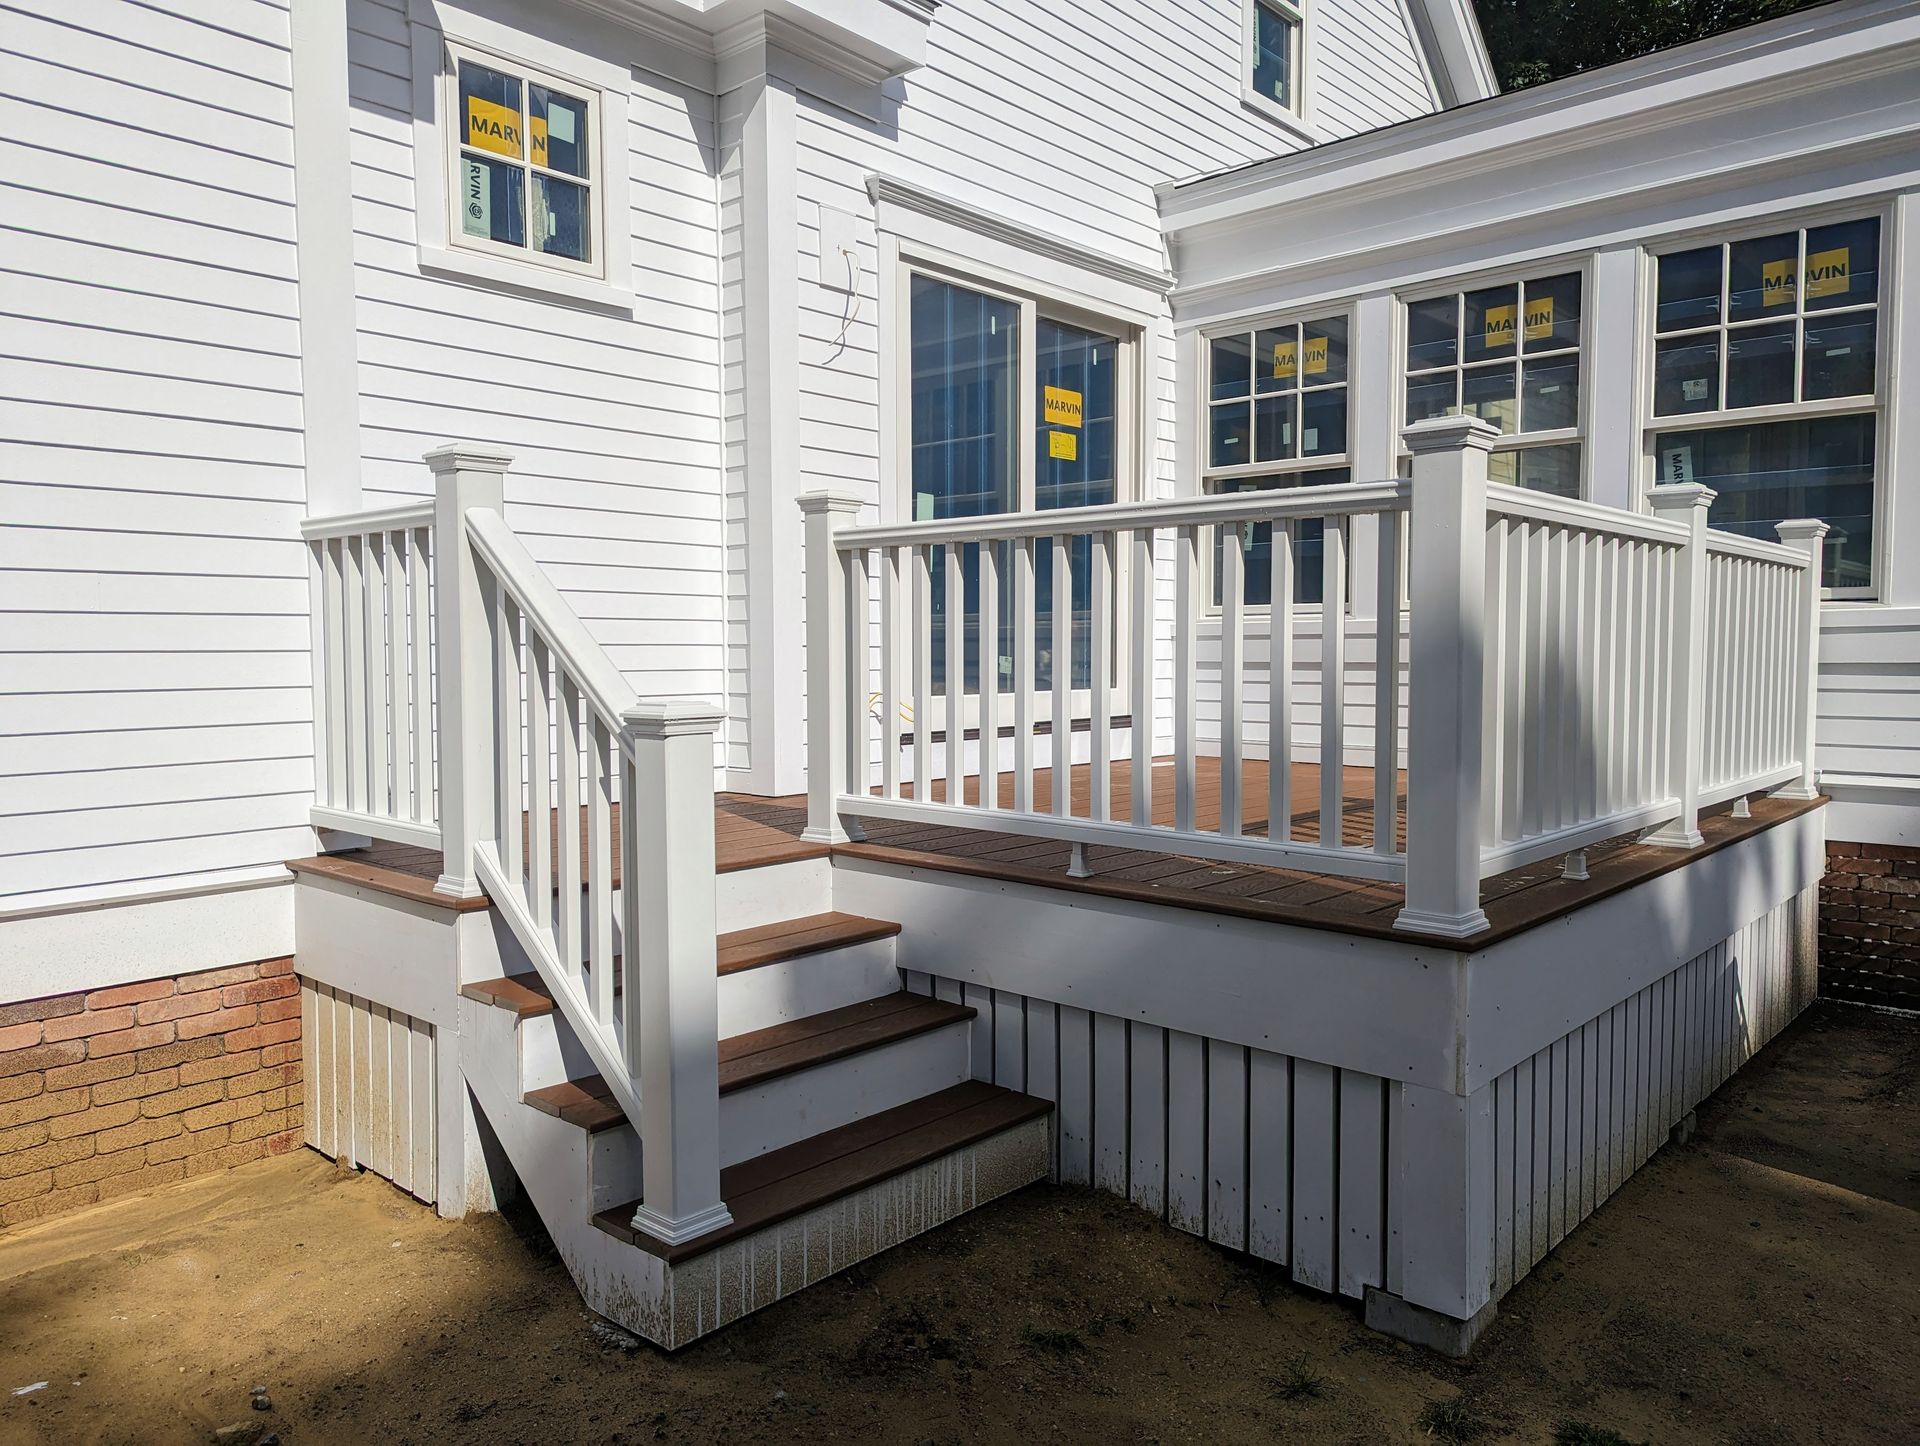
(557, 130)
(1554, 469)
(1760, 365)
(560, 218)
(1764, 277)
(1227, 446)
(1487, 393)
(1075, 467)
(490, 200)
(1433, 333)
(1256, 540)
(1274, 438)
(1432, 396)
(1323, 423)
(1552, 314)
(1230, 366)
(1689, 290)
(1492, 323)
(1843, 264)
(1769, 472)
(1838, 357)
(1550, 394)
(1324, 353)
(1686, 375)
(1273, 45)
(1276, 359)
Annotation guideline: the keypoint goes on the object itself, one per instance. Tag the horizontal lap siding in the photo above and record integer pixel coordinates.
(613, 422)
(155, 710)
(1869, 709)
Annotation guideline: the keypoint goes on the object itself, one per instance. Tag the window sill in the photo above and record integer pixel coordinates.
(520, 279)
(1289, 121)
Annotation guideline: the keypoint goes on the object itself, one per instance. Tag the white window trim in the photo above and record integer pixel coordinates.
(901, 259)
(1298, 120)
(1886, 367)
(439, 34)
(1346, 311)
(1581, 432)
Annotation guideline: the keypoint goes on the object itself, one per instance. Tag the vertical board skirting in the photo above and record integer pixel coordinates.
(1215, 1138)
(370, 1087)
(1573, 1121)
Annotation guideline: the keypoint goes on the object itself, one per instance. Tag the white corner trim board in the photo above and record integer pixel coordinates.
(149, 936)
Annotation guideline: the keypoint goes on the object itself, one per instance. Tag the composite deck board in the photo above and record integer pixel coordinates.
(782, 1049)
(750, 832)
(771, 943)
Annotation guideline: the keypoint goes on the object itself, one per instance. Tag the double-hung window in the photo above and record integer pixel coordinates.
(1510, 355)
(1766, 384)
(1275, 53)
(1277, 417)
(982, 440)
(522, 155)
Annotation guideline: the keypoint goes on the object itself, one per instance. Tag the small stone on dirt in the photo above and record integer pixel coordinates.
(613, 1338)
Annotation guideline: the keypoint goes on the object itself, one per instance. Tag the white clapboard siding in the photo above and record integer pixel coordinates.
(155, 710)
(1869, 709)
(370, 1082)
(612, 421)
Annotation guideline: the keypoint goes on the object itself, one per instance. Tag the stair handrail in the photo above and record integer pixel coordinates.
(640, 774)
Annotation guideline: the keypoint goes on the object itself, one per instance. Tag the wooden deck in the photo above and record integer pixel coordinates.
(752, 832)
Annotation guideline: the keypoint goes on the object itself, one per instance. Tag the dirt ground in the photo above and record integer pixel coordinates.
(1761, 1284)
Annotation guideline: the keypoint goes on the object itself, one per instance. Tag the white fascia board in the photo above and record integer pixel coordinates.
(1456, 52)
(866, 41)
(1797, 52)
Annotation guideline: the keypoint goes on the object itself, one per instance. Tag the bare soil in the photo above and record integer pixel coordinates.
(1760, 1284)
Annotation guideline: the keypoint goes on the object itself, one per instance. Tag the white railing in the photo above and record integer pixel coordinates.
(582, 812)
(1562, 682)
(374, 715)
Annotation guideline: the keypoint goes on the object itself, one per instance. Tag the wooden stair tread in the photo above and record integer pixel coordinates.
(816, 1171)
(526, 995)
(398, 870)
(587, 1103)
(790, 938)
(782, 1049)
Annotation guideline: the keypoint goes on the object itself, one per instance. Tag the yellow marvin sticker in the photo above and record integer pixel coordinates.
(1060, 408)
(1539, 319)
(1499, 327)
(1286, 359)
(1828, 273)
(537, 138)
(1063, 446)
(1778, 281)
(1316, 354)
(493, 127)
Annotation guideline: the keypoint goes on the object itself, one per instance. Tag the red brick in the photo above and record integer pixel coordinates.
(100, 1117)
(226, 1157)
(141, 1036)
(280, 1053)
(219, 978)
(184, 1052)
(275, 1010)
(24, 1137)
(178, 1147)
(221, 1066)
(20, 1187)
(43, 1056)
(264, 1034)
(146, 1178)
(223, 1021)
(19, 1086)
(51, 1203)
(130, 994)
(192, 1097)
(178, 1006)
(260, 991)
(26, 1011)
(89, 1022)
(280, 1144)
(41, 1107)
(274, 1122)
(263, 1079)
(223, 1113)
(140, 1132)
(271, 967)
(136, 1087)
(91, 1071)
(55, 1155)
(19, 1036)
(97, 1167)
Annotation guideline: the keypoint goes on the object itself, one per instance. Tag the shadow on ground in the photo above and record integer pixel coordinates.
(1757, 1285)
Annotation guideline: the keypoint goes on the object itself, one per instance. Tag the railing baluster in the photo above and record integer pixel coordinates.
(568, 823)
(1233, 591)
(600, 846)
(382, 696)
(890, 599)
(1517, 686)
(1100, 633)
(922, 562)
(1060, 727)
(425, 805)
(1493, 680)
(354, 583)
(1025, 642)
(989, 764)
(1536, 716)
(333, 708)
(1143, 581)
(1186, 611)
(1386, 686)
(859, 669)
(956, 671)
(540, 820)
(508, 732)
(1280, 685)
(1333, 683)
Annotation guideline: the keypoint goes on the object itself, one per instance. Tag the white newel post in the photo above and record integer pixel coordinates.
(1447, 583)
(672, 996)
(827, 664)
(1809, 536)
(1686, 689)
(464, 478)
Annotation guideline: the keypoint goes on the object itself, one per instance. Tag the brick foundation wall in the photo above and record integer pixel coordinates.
(1870, 924)
(116, 1090)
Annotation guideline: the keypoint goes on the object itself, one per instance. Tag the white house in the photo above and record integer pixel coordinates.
(415, 413)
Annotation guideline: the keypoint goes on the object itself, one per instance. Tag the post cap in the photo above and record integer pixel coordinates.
(1446, 434)
(670, 717)
(1680, 497)
(467, 457)
(847, 503)
(1802, 529)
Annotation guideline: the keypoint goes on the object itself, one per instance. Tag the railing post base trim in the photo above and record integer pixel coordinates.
(1797, 792)
(679, 1232)
(1673, 836)
(1445, 926)
(453, 887)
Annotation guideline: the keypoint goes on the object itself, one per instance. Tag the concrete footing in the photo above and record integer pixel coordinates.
(1402, 1319)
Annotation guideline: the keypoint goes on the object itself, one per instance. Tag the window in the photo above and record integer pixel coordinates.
(1766, 377)
(980, 446)
(1274, 32)
(522, 152)
(1277, 417)
(1510, 355)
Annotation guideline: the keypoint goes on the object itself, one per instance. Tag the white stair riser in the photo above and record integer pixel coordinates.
(550, 1052)
(749, 898)
(810, 984)
(788, 1109)
(613, 1167)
